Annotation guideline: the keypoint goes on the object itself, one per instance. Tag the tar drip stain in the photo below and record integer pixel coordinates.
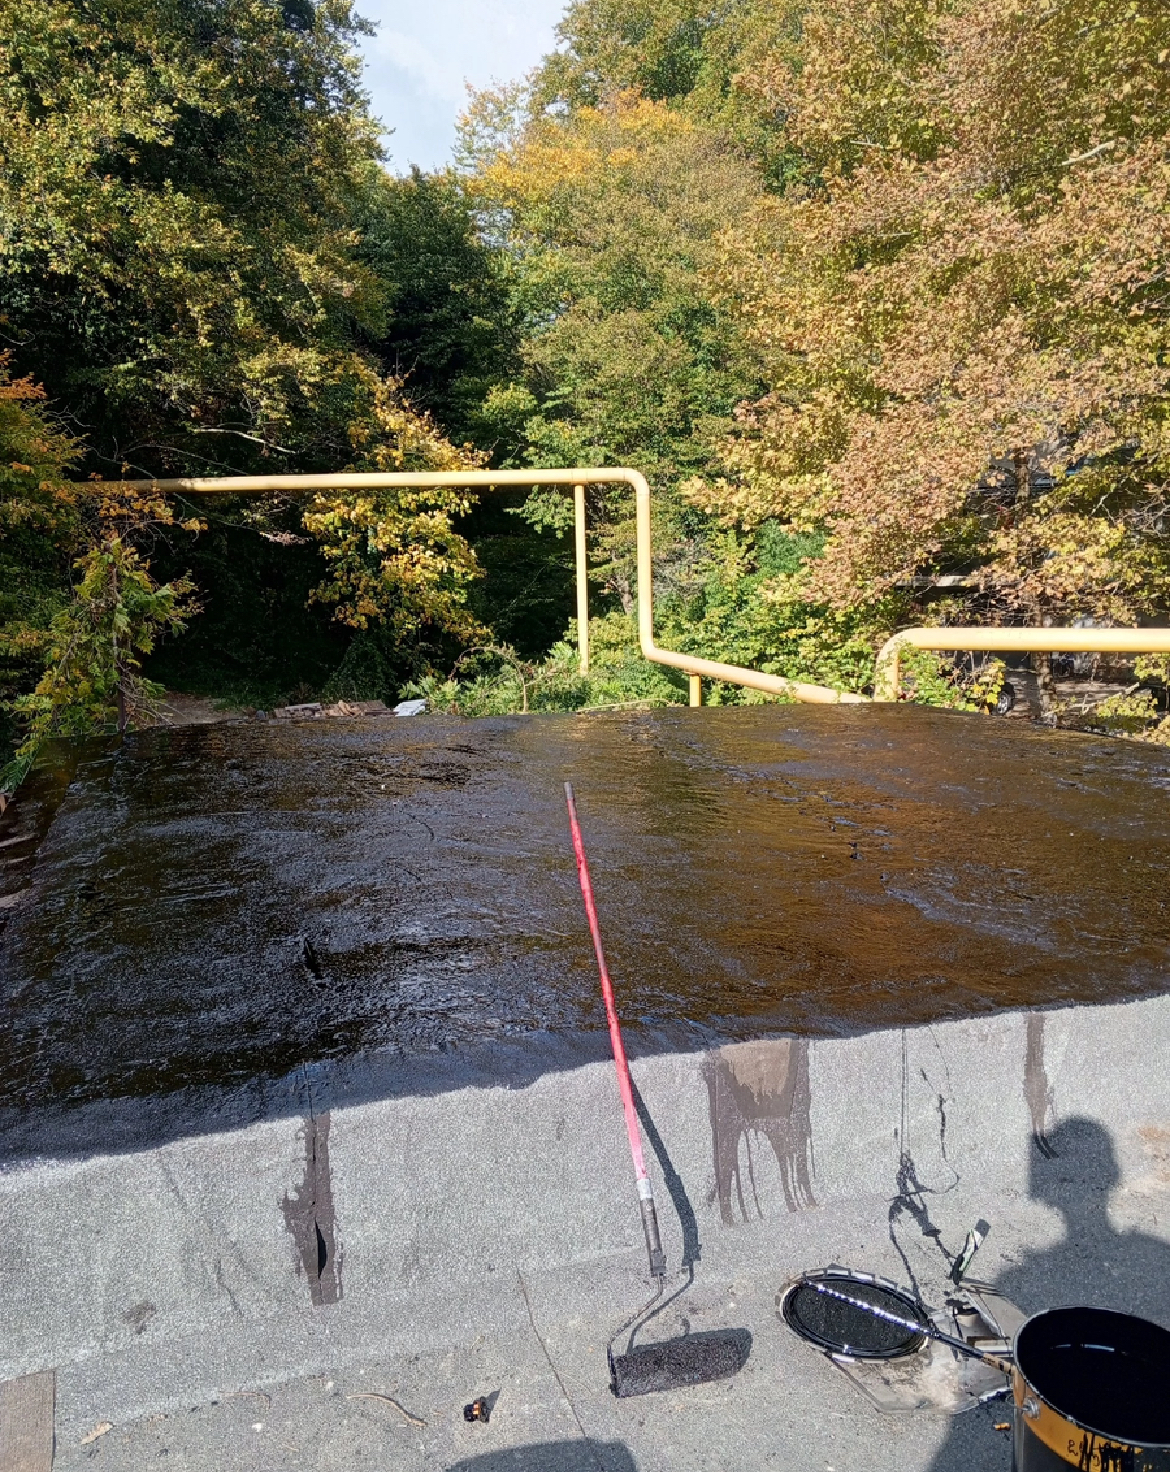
(761, 1089)
(310, 1218)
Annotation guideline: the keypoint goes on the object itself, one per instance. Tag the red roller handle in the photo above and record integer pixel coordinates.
(625, 1088)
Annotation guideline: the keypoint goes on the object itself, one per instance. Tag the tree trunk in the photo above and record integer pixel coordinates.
(621, 587)
(1042, 664)
(1023, 482)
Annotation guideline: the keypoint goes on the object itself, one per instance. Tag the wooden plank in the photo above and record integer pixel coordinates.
(26, 1423)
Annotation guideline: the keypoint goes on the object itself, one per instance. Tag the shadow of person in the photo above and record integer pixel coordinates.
(1092, 1263)
(554, 1456)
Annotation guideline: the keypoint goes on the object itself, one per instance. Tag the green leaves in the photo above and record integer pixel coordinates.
(199, 254)
(95, 649)
(450, 329)
(176, 222)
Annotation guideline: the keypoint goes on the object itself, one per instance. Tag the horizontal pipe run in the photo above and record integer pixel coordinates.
(1127, 641)
(472, 479)
(371, 480)
(733, 674)
(1007, 641)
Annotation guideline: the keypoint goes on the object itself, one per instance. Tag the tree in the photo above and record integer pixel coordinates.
(85, 644)
(654, 49)
(703, 59)
(95, 646)
(182, 194)
(450, 331)
(609, 215)
(964, 312)
(395, 554)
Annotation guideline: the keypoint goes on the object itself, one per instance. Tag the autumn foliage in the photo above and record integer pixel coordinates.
(963, 308)
(876, 295)
(936, 252)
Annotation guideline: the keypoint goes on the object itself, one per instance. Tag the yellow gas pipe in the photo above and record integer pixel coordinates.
(1129, 641)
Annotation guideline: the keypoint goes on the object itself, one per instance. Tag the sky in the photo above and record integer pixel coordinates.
(425, 51)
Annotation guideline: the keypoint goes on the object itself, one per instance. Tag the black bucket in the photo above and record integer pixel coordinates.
(1092, 1391)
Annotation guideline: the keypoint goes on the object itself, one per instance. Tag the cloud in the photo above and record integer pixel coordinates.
(424, 55)
(431, 74)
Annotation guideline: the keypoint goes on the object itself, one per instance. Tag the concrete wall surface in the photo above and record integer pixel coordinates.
(403, 1226)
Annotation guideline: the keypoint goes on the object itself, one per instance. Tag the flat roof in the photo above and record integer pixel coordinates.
(213, 907)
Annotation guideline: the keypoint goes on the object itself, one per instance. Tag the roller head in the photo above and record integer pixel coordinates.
(692, 1360)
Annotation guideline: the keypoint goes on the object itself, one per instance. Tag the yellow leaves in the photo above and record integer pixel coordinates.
(580, 153)
(394, 554)
(35, 460)
(920, 327)
(19, 390)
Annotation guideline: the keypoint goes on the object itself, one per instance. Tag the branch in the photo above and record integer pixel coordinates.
(390, 1401)
(255, 438)
(1079, 158)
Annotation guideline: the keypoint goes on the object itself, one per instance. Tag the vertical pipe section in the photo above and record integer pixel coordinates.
(582, 578)
(696, 689)
(887, 680)
(645, 567)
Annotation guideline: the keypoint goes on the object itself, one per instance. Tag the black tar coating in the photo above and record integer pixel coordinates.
(158, 976)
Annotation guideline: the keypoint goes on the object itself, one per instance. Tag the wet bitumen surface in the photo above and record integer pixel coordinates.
(210, 911)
